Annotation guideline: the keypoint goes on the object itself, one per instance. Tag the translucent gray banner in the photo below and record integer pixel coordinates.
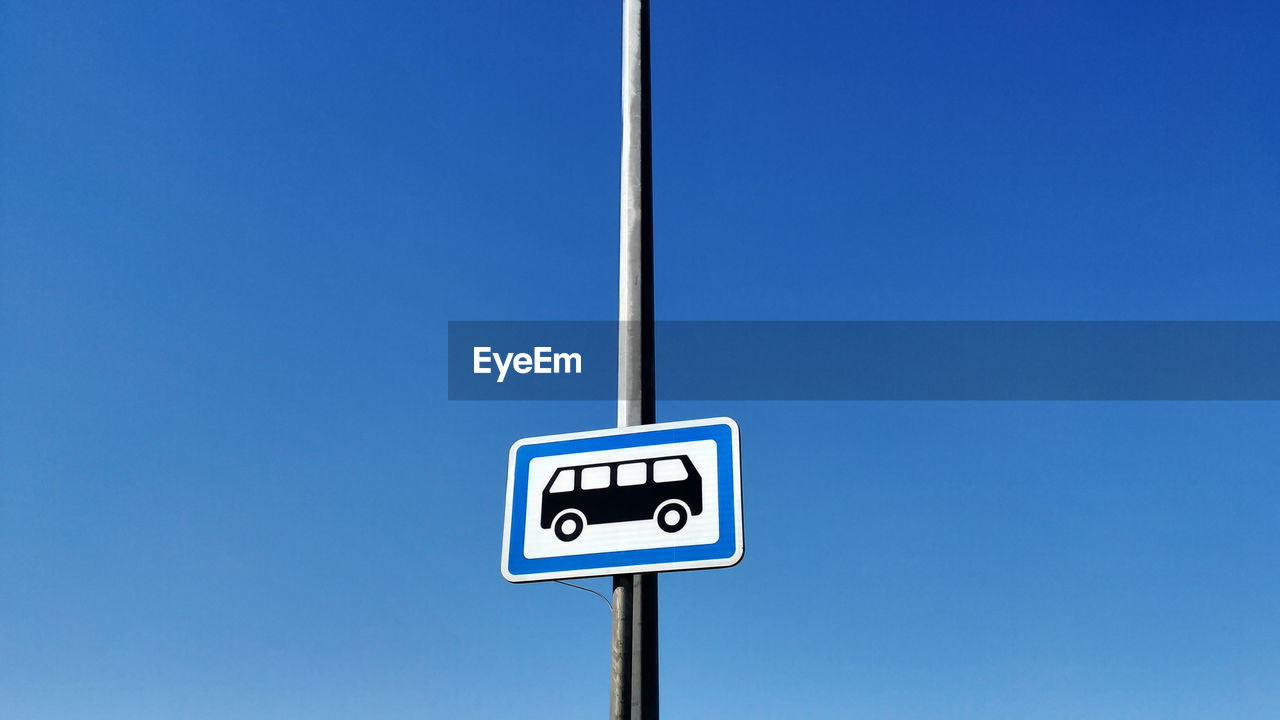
(725, 360)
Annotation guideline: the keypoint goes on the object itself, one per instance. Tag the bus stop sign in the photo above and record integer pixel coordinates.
(647, 498)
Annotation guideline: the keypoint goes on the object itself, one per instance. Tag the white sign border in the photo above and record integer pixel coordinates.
(739, 545)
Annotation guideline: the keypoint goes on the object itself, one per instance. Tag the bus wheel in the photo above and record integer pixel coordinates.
(569, 524)
(672, 516)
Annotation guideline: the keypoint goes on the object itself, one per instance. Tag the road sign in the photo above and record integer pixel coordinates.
(646, 498)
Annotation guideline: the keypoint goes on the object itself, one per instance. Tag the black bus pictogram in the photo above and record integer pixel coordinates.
(667, 489)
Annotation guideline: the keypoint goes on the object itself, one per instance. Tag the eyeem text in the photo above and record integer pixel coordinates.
(542, 362)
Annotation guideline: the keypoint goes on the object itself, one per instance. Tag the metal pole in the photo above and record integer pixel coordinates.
(633, 688)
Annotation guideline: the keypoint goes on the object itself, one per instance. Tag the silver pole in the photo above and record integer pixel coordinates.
(633, 687)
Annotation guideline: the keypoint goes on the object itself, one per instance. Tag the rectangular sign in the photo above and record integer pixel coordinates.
(648, 498)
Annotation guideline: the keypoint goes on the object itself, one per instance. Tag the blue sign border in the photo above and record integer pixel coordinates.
(725, 548)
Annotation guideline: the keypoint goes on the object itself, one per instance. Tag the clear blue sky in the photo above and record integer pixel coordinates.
(232, 234)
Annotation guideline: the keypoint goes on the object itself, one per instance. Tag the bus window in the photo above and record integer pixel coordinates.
(633, 473)
(595, 478)
(562, 482)
(671, 470)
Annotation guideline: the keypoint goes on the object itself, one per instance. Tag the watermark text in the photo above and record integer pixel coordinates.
(543, 361)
